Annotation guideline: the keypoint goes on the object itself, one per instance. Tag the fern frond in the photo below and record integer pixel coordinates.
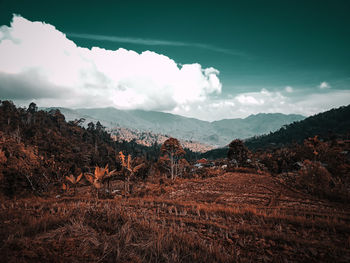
(79, 177)
(99, 172)
(122, 157)
(111, 173)
(138, 167)
(89, 177)
(71, 179)
(129, 160)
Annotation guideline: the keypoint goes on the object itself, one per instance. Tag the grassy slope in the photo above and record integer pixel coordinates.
(231, 217)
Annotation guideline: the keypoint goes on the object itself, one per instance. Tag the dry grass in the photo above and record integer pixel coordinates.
(230, 218)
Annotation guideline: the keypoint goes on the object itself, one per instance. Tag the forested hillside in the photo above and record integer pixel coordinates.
(38, 148)
(328, 125)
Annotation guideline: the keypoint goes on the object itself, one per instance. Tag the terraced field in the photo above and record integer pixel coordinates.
(233, 217)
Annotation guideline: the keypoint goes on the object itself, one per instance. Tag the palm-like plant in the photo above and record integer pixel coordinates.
(129, 171)
(73, 180)
(100, 176)
(108, 176)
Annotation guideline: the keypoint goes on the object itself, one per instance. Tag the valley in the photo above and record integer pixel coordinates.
(83, 194)
(189, 130)
(174, 131)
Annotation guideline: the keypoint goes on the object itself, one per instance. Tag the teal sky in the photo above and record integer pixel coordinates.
(254, 44)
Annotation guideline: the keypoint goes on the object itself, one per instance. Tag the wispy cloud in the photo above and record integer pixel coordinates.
(155, 42)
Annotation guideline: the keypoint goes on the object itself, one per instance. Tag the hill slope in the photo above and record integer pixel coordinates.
(327, 125)
(216, 133)
(38, 149)
(229, 218)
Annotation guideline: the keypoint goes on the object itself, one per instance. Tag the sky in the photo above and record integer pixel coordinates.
(205, 59)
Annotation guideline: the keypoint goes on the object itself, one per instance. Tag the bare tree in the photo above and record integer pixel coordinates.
(173, 150)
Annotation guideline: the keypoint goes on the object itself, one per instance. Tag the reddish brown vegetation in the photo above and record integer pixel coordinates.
(229, 218)
(320, 168)
(238, 153)
(222, 211)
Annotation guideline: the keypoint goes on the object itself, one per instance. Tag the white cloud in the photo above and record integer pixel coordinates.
(245, 104)
(324, 85)
(289, 89)
(238, 106)
(249, 100)
(39, 63)
(68, 75)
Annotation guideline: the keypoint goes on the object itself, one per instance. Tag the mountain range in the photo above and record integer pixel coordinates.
(216, 133)
(328, 126)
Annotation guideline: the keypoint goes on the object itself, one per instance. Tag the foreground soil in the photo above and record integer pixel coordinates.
(233, 217)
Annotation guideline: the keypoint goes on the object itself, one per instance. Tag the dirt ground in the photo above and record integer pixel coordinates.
(233, 217)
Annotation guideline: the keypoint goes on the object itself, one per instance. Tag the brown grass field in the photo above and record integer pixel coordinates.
(233, 217)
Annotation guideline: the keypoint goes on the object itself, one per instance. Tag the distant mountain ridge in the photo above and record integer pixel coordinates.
(217, 133)
(327, 125)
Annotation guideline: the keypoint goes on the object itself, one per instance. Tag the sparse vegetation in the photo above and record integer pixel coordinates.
(75, 197)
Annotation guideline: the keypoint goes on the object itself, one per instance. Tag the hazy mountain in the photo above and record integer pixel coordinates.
(70, 114)
(217, 133)
(133, 126)
(261, 123)
(327, 125)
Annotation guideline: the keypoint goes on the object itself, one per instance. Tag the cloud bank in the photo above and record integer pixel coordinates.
(40, 63)
(243, 105)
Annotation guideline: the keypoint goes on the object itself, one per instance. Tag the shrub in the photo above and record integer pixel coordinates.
(315, 178)
(238, 153)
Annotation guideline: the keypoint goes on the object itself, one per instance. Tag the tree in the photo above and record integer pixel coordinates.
(99, 128)
(78, 122)
(91, 126)
(173, 150)
(238, 151)
(128, 170)
(32, 108)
